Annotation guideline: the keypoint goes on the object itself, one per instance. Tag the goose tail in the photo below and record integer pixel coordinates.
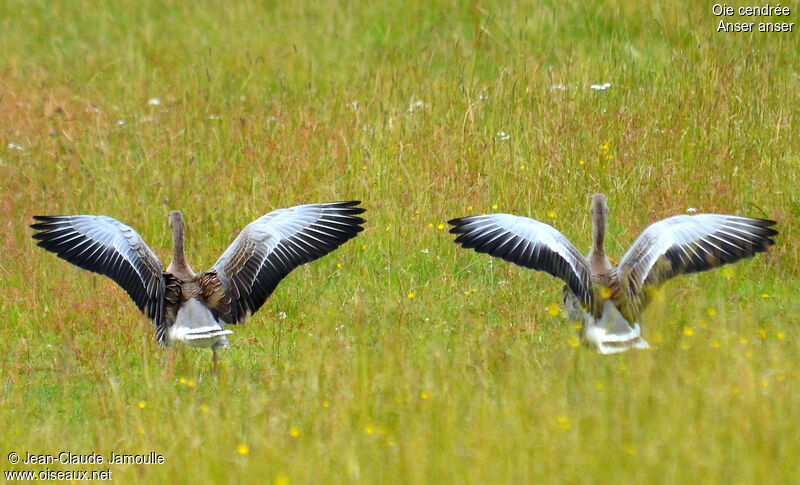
(612, 334)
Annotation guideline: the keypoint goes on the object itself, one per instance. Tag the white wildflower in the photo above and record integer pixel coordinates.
(600, 87)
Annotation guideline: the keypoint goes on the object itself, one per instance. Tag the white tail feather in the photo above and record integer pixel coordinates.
(196, 326)
(612, 333)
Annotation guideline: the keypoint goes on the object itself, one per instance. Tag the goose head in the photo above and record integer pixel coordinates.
(599, 207)
(176, 221)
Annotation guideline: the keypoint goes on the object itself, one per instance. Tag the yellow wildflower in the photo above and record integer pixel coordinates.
(242, 449)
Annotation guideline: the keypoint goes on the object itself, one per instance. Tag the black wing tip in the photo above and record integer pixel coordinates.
(359, 227)
(349, 209)
(43, 222)
(770, 232)
(767, 224)
(456, 223)
(459, 223)
(766, 229)
(356, 223)
(345, 208)
(344, 204)
(756, 221)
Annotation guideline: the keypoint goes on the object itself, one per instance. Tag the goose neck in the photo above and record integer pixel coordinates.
(179, 263)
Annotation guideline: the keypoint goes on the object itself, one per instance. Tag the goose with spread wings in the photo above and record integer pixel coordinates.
(188, 307)
(609, 301)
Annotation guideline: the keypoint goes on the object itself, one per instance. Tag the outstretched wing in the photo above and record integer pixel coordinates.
(529, 243)
(104, 245)
(689, 244)
(270, 247)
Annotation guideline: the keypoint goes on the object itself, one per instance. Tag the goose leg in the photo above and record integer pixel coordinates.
(171, 359)
(214, 358)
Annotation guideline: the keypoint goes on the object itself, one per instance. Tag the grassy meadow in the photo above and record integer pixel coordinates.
(400, 358)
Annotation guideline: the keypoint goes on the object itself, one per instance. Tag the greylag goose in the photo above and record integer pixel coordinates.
(605, 300)
(188, 307)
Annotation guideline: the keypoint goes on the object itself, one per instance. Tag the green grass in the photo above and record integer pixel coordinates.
(471, 380)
